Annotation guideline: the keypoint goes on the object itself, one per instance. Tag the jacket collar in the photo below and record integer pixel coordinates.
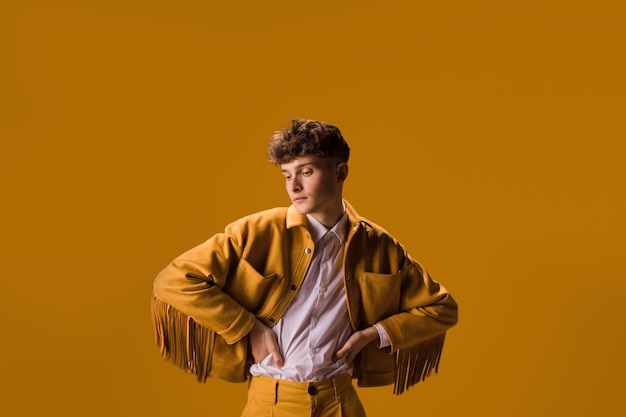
(294, 218)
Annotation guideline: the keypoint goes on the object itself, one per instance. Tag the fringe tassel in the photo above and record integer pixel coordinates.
(181, 340)
(415, 364)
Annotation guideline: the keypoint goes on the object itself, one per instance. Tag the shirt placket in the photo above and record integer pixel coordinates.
(325, 269)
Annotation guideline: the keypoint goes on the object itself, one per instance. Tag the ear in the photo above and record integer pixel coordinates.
(342, 171)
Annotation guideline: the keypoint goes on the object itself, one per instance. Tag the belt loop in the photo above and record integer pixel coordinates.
(276, 393)
(336, 389)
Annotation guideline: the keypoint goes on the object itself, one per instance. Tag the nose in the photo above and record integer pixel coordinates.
(295, 185)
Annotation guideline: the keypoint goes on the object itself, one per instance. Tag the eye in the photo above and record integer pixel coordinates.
(307, 172)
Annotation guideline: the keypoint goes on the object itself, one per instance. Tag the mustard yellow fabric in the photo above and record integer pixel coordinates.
(269, 397)
(206, 300)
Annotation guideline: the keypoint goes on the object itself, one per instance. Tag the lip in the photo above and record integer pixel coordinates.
(298, 200)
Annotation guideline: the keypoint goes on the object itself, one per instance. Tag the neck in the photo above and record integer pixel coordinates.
(331, 217)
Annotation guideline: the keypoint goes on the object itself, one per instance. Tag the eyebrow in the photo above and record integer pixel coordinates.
(299, 166)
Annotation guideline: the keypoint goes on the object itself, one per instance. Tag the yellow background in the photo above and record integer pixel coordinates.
(486, 135)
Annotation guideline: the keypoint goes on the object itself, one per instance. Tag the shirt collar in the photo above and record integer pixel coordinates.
(318, 230)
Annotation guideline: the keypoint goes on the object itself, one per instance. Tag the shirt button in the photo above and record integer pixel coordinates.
(307, 250)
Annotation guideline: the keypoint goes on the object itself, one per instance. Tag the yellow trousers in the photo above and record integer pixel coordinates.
(269, 397)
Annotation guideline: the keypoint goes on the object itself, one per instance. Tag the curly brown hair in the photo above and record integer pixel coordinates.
(307, 137)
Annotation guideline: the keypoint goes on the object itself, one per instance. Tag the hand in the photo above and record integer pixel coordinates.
(356, 342)
(263, 342)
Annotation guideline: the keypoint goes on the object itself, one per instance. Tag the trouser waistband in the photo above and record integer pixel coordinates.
(279, 388)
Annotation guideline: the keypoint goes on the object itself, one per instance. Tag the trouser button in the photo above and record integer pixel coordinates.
(312, 390)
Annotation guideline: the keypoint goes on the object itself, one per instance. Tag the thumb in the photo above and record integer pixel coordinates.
(346, 354)
(341, 353)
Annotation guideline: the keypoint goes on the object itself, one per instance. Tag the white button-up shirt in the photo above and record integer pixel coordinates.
(316, 324)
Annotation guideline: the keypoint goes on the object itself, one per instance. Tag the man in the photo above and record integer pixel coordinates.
(301, 300)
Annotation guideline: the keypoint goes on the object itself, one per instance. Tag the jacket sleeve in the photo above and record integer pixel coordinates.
(192, 284)
(417, 332)
(427, 309)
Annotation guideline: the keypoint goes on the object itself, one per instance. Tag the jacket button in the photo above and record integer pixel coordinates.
(293, 287)
(307, 250)
(347, 277)
(271, 319)
(312, 390)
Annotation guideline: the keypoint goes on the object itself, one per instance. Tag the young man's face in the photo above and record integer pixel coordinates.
(314, 186)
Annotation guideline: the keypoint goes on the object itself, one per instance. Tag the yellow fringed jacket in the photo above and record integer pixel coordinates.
(206, 300)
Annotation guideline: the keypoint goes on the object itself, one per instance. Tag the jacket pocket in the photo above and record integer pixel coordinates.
(230, 362)
(250, 288)
(380, 295)
(375, 366)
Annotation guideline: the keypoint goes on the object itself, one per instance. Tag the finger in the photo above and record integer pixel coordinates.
(350, 358)
(278, 359)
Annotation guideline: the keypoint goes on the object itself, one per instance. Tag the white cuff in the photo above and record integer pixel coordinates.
(383, 337)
